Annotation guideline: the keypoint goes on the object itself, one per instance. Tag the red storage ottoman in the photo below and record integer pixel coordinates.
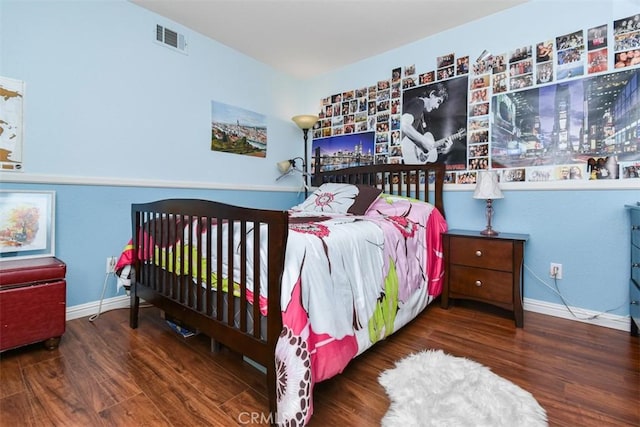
(33, 299)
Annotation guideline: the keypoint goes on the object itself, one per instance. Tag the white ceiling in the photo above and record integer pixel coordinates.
(306, 38)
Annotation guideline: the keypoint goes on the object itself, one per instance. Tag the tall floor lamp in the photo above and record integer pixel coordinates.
(305, 122)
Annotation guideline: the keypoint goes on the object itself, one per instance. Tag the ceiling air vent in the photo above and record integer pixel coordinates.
(171, 39)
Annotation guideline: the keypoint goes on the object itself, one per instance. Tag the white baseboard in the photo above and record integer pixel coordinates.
(606, 320)
(91, 308)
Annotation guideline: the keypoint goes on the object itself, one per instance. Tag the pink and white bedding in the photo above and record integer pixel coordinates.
(348, 282)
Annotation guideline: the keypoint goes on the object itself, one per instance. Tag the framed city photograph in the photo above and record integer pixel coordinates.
(27, 220)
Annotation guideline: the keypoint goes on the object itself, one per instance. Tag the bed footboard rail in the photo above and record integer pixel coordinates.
(205, 263)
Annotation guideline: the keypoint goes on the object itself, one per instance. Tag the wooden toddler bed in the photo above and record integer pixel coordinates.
(294, 290)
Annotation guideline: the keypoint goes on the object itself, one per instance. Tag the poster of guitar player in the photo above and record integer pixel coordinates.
(434, 124)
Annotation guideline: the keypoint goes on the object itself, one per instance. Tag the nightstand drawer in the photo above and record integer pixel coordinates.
(635, 263)
(635, 227)
(482, 253)
(477, 283)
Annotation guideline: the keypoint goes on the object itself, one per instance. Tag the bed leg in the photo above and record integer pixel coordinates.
(133, 310)
(215, 346)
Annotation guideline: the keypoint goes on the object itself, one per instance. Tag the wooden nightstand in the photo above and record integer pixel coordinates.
(486, 269)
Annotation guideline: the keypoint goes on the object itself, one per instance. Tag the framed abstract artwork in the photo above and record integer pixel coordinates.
(27, 220)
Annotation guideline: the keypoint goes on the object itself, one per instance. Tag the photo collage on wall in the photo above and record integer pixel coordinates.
(597, 50)
(549, 111)
(626, 33)
(570, 51)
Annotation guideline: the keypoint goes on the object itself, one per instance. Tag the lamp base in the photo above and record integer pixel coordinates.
(489, 232)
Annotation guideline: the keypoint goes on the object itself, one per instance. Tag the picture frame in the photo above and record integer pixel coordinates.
(27, 224)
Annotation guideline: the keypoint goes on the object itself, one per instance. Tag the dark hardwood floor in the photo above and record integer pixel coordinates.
(106, 374)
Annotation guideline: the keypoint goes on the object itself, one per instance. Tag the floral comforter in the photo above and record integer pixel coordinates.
(349, 281)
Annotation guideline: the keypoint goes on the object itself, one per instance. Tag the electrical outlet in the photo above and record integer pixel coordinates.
(555, 270)
(111, 264)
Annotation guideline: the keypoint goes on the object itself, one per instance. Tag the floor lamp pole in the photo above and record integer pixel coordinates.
(305, 172)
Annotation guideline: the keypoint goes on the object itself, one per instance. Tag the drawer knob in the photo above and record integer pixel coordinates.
(635, 265)
(635, 302)
(478, 253)
(635, 227)
(478, 283)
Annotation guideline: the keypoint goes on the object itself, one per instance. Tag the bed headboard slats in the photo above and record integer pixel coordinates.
(422, 182)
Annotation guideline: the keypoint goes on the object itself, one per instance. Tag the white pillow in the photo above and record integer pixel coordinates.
(340, 198)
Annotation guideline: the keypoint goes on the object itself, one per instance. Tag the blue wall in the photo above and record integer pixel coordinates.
(94, 222)
(583, 227)
(586, 231)
(114, 118)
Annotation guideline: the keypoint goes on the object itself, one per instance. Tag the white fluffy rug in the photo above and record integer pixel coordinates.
(432, 388)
